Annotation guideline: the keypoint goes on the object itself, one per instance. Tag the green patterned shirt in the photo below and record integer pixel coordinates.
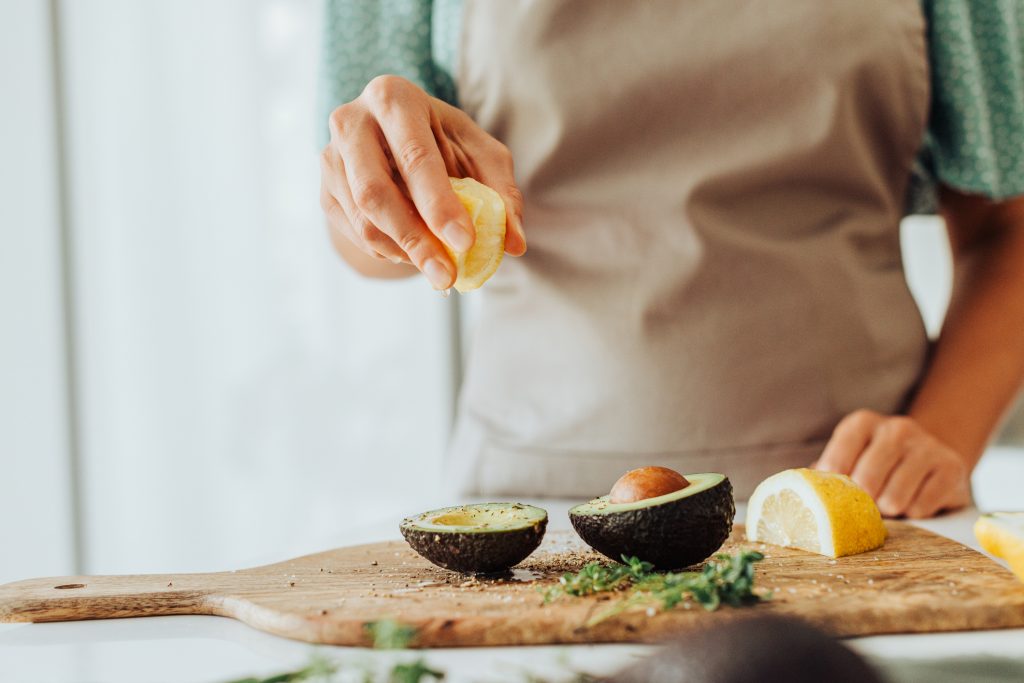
(975, 136)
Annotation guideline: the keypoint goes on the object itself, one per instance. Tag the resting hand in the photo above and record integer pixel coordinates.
(904, 468)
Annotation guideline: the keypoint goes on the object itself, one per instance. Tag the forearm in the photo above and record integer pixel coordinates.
(978, 362)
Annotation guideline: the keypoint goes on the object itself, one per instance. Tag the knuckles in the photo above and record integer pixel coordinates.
(326, 159)
(410, 242)
(386, 89)
(413, 156)
(899, 428)
(501, 152)
(344, 118)
(379, 243)
(514, 195)
(858, 421)
(327, 202)
(369, 194)
(367, 231)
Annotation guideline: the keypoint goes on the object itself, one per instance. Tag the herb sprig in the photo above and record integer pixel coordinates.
(318, 668)
(600, 578)
(726, 579)
(389, 634)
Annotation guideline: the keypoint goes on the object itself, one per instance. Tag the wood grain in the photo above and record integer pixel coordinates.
(918, 582)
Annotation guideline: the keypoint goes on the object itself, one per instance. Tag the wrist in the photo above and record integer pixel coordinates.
(966, 441)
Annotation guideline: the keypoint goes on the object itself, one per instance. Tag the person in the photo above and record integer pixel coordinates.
(712, 193)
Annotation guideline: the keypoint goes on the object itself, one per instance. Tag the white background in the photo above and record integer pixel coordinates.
(235, 388)
(189, 378)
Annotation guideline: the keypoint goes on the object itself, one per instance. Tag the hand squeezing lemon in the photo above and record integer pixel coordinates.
(487, 211)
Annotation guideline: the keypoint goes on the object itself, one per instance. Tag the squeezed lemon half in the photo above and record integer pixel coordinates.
(487, 211)
(820, 512)
(1002, 534)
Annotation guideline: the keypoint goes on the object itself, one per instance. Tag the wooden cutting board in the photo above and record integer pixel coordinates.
(919, 582)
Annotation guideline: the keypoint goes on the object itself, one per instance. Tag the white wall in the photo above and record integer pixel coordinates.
(35, 514)
(242, 394)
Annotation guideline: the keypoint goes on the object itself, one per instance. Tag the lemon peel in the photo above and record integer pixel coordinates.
(820, 512)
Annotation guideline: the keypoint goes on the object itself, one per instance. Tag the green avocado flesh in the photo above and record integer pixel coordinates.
(479, 539)
(672, 531)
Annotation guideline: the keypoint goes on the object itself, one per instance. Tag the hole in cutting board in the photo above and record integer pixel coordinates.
(69, 585)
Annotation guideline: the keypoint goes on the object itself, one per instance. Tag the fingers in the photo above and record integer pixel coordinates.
(930, 499)
(496, 171)
(375, 196)
(947, 487)
(899, 463)
(904, 484)
(381, 215)
(889, 442)
(405, 119)
(850, 438)
(343, 215)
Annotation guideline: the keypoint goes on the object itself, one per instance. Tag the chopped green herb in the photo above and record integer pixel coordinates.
(599, 578)
(317, 668)
(726, 579)
(414, 672)
(389, 634)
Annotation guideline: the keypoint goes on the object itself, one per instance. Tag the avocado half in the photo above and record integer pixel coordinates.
(480, 538)
(675, 530)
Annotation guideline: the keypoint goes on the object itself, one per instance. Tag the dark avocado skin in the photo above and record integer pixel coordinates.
(672, 535)
(476, 553)
(773, 649)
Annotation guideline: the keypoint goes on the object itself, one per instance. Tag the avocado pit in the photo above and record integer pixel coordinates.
(646, 482)
(675, 529)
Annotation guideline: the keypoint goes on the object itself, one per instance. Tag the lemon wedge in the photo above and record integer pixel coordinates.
(820, 512)
(1002, 534)
(487, 210)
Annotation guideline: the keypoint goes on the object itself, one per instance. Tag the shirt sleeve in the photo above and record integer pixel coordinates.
(975, 138)
(367, 38)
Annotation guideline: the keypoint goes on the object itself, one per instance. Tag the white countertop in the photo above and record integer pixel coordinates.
(212, 649)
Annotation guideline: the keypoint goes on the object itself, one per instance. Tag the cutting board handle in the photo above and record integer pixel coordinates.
(69, 598)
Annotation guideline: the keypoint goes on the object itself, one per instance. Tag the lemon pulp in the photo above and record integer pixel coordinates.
(1002, 534)
(820, 512)
(487, 211)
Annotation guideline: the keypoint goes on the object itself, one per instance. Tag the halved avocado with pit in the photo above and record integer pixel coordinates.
(481, 538)
(671, 531)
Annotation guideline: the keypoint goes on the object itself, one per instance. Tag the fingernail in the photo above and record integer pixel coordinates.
(517, 226)
(437, 274)
(457, 237)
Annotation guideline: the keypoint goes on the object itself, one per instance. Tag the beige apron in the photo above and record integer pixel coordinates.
(713, 196)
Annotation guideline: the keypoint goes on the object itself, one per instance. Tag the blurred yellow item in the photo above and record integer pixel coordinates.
(820, 512)
(1002, 534)
(487, 210)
